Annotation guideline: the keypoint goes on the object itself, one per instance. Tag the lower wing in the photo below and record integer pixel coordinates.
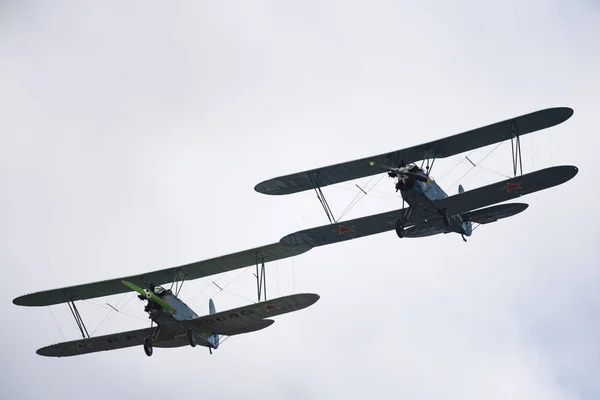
(457, 204)
(231, 322)
(113, 341)
(246, 319)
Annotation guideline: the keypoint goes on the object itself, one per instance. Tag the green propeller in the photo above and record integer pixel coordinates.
(150, 296)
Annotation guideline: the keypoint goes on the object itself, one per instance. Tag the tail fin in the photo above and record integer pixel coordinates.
(214, 339)
(467, 226)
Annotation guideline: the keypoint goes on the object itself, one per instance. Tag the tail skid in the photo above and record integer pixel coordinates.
(213, 339)
(467, 226)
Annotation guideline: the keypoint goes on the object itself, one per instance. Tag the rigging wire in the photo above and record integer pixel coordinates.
(462, 159)
(121, 311)
(364, 193)
(56, 322)
(277, 276)
(225, 286)
(476, 164)
(112, 313)
(354, 200)
(293, 277)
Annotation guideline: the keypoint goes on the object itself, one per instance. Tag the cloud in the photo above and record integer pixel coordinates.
(132, 138)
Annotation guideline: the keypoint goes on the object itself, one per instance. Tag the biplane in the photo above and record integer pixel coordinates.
(173, 323)
(430, 210)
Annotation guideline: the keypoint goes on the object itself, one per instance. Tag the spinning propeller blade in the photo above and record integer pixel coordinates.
(149, 296)
(401, 171)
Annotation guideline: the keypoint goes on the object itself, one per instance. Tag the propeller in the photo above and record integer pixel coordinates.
(150, 296)
(401, 172)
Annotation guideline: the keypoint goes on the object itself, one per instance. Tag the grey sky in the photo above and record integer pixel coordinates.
(132, 137)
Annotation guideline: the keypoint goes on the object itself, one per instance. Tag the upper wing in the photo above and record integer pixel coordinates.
(195, 270)
(244, 319)
(441, 148)
(457, 204)
(493, 214)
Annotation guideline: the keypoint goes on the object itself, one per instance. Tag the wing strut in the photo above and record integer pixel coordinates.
(78, 319)
(314, 182)
(261, 278)
(325, 205)
(515, 146)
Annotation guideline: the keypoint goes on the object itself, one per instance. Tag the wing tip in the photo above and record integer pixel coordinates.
(269, 187)
(562, 113)
(22, 300)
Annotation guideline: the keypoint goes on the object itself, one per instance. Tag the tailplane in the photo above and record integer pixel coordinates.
(467, 226)
(214, 339)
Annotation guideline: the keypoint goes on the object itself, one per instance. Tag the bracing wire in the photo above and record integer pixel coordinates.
(359, 196)
(56, 322)
(476, 164)
(225, 286)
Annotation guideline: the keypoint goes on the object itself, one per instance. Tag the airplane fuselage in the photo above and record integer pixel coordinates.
(423, 195)
(170, 321)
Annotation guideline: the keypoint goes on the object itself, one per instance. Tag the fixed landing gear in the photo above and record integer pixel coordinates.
(446, 216)
(463, 238)
(399, 229)
(191, 337)
(148, 346)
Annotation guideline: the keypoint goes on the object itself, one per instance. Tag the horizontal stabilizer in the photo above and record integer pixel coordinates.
(492, 214)
(265, 323)
(441, 148)
(424, 229)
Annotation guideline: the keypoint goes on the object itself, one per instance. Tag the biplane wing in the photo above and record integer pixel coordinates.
(481, 216)
(113, 341)
(456, 204)
(231, 322)
(508, 189)
(196, 270)
(441, 148)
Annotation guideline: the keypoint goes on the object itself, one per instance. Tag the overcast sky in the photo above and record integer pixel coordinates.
(132, 135)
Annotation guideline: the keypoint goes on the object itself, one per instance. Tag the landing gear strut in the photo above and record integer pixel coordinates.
(400, 229)
(191, 337)
(446, 216)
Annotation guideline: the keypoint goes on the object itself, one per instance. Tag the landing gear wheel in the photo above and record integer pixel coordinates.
(191, 338)
(399, 229)
(446, 216)
(148, 346)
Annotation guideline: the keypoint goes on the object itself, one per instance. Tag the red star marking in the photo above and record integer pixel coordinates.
(80, 346)
(270, 307)
(513, 186)
(343, 229)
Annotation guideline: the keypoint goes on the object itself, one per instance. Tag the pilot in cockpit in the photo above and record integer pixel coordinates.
(160, 291)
